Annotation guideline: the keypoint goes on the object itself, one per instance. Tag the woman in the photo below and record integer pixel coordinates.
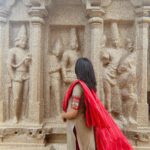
(89, 126)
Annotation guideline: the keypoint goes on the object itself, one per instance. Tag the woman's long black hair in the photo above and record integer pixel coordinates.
(85, 72)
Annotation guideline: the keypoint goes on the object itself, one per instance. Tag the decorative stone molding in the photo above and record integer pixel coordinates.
(5, 7)
(102, 3)
(136, 3)
(138, 135)
(4, 14)
(35, 133)
(37, 3)
(143, 14)
(105, 3)
(95, 14)
(95, 2)
(38, 14)
(7, 3)
(146, 3)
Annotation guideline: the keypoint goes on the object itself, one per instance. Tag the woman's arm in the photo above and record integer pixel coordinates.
(75, 102)
(71, 114)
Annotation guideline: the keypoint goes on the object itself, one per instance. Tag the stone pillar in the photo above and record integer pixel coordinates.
(3, 20)
(36, 71)
(142, 51)
(96, 31)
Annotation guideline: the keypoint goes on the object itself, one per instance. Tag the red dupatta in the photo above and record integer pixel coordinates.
(107, 134)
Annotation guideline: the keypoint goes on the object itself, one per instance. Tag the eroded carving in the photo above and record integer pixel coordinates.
(34, 133)
(127, 82)
(18, 64)
(55, 73)
(110, 59)
(69, 58)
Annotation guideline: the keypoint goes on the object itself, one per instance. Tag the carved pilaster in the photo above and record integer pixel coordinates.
(3, 20)
(36, 47)
(96, 29)
(143, 21)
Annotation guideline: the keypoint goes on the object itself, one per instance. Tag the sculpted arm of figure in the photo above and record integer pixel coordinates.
(75, 102)
(10, 62)
(54, 68)
(64, 65)
(26, 60)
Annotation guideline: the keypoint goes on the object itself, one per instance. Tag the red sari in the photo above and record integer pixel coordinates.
(107, 134)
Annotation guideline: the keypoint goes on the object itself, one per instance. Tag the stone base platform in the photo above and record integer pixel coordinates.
(25, 147)
(139, 137)
(22, 136)
(52, 136)
(141, 148)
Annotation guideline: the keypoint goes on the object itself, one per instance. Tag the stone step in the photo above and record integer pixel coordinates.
(30, 147)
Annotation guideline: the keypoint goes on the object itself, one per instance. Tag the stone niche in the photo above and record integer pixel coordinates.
(40, 42)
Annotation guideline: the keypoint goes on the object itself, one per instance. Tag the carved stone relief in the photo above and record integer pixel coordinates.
(69, 58)
(55, 74)
(127, 82)
(65, 50)
(19, 60)
(54, 54)
(112, 58)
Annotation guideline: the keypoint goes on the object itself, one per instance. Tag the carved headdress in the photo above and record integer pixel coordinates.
(115, 31)
(130, 44)
(58, 46)
(22, 34)
(73, 38)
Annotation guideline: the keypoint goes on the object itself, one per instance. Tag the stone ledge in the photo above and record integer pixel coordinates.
(33, 134)
(139, 137)
(24, 147)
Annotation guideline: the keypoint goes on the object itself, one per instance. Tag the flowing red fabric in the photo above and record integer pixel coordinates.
(107, 134)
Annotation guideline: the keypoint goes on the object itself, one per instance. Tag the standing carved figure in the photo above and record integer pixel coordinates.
(55, 74)
(69, 58)
(18, 69)
(127, 82)
(111, 58)
(105, 58)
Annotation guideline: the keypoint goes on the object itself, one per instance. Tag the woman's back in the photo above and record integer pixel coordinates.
(78, 124)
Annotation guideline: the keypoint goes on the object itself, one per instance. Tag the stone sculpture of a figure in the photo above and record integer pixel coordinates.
(127, 82)
(55, 74)
(110, 59)
(69, 58)
(18, 64)
(105, 57)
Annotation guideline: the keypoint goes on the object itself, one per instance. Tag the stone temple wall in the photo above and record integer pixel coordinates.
(40, 41)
